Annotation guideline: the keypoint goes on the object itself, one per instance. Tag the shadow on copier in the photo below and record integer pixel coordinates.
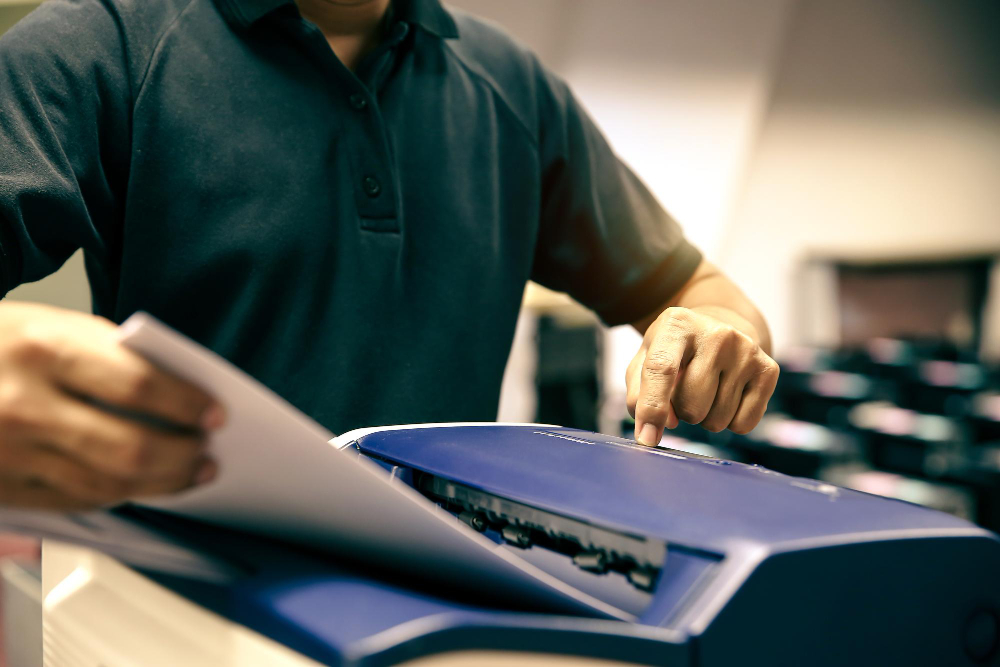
(719, 563)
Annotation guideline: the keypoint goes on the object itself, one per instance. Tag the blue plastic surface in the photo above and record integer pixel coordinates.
(659, 493)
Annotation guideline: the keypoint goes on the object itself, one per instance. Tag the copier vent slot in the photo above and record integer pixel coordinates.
(591, 548)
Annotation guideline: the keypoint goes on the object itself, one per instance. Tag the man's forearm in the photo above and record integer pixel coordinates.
(711, 293)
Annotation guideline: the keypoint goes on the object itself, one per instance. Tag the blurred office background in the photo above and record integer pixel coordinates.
(841, 161)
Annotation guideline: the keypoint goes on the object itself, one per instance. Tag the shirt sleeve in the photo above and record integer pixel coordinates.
(603, 238)
(64, 127)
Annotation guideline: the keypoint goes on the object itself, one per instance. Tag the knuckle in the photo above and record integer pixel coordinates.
(17, 409)
(684, 412)
(31, 349)
(133, 455)
(750, 352)
(682, 407)
(138, 386)
(675, 316)
(728, 337)
(741, 427)
(748, 422)
(690, 411)
(713, 425)
(661, 363)
(698, 416)
(727, 334)
(653, 409)
(769, 371)
(652, 401)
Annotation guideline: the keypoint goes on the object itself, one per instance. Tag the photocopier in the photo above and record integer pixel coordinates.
(715, 562)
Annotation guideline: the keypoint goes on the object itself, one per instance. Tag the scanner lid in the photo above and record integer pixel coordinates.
(698, 502)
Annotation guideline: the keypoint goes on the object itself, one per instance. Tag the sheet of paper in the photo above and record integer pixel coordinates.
(278, 476)
(125, 540)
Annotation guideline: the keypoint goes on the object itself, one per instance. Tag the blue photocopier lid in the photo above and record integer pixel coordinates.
(710, 504)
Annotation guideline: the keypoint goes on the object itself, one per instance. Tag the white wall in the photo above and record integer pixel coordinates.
(882, 140)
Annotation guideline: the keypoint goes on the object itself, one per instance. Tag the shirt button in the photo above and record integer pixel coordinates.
(359, 102)
(371, 186)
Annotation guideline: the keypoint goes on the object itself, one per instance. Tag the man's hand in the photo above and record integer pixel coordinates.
(701, 366)
(58, 448)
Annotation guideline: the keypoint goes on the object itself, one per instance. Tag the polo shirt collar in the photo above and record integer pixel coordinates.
(428, 14)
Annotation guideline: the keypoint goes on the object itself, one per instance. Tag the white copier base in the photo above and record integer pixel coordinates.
(98, 613)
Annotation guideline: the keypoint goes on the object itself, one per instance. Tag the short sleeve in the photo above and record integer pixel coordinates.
(603, 237)
(64, 127)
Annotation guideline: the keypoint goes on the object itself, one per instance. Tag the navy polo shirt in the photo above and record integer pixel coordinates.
(358, 241)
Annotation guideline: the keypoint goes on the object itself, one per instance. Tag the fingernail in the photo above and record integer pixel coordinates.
(647, 435)
(206, 473)
(214, 417)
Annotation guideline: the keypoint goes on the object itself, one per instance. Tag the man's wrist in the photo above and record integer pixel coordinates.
(732, 318)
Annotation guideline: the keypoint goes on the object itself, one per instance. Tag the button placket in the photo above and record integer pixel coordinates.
(374, 188)
(364, 138)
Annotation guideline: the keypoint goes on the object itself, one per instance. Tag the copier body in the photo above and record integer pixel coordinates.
(719, 563)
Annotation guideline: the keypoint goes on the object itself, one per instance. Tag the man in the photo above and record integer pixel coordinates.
(345, 199)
